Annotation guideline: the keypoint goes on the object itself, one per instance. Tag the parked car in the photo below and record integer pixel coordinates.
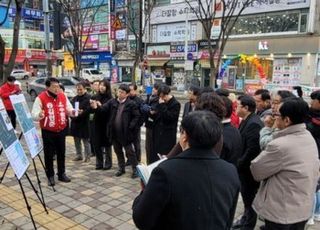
(35, 87)
(20, 74)
(91, 74)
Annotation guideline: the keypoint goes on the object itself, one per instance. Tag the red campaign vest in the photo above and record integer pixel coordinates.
(55, 112)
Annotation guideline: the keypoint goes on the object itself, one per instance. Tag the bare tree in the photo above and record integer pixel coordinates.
(138, 19)
(79, 20)
(16, 28)
(223, 12)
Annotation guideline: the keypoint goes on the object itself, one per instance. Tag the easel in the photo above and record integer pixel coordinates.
(41, 199)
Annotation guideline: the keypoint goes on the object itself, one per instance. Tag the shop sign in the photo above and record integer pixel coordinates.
(180, 12)
(90, 42)
(215, 29)
(121, 46)
(38, 54)
(204, 44)
(120, 3)
(121, 34)
(158, 51)
(95, 29)
(175, 32)
(178, 51)
(113, 30)
(204, 54)
(27, 13)
(263, 45)
(99, 56)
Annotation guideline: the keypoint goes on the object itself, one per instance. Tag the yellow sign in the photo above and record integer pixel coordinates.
(117, 24)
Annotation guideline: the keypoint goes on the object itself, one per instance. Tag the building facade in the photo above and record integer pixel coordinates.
(283, 35)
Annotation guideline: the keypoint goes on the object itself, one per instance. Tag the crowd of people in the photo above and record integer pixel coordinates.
(265, 147)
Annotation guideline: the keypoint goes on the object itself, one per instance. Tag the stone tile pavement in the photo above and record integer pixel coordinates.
(93, 200)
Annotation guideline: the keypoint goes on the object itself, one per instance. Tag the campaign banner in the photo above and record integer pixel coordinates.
(26, 123)
(11, 146)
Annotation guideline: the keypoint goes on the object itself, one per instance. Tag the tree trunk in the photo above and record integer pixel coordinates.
(2, 55)
(15, 43)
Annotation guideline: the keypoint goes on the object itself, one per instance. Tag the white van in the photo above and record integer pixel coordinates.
(91, 74)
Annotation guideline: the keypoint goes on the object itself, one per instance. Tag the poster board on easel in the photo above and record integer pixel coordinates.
(11, 145)
(26, 123)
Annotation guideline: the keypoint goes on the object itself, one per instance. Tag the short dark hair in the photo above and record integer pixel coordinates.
(125, 88)
(164, 89)
(285, 94)
(203, 129)
(62, 87)
(50, 80)
(294, 108)
(265, 94)
(223, 92)
(11, 79)
(246, 100)
(83, 84)
(135, 87)
(207, 89)
(213, 103)
(195, 90)
(315, 95)
(228, 106)
(156, 86)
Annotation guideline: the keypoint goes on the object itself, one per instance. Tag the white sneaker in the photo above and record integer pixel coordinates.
(310, 221)
(316, 217)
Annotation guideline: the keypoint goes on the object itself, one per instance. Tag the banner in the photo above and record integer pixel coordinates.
(26, 123)
(11, 146)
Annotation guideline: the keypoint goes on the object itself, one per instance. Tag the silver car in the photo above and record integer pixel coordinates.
(20, 74)
(35, 87)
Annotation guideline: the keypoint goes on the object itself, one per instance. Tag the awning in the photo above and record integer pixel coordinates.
(157, 62)
(18, 59)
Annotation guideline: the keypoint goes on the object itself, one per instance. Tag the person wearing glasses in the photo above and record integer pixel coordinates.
(288, 170)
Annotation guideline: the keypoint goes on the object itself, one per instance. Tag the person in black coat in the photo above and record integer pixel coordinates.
(232, 142)
(150, 105)
(137, 139)
(80, 124)
(193, 94)
(165, 123)
(249, 129)
(101, 141)
(123, 119)
(195, 190)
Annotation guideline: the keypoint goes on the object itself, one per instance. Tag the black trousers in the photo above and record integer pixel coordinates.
(137, 145)
(103, 156)
(130, 154)
(249, 188)
(91, 137)
(149, 146)
(54, 143)
(12, 116)
(274, 226)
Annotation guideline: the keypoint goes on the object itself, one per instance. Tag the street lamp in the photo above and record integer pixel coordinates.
(45, 5)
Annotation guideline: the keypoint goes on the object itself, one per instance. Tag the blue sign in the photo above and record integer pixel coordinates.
(180, 48)
(27, 13)
(96, 56)
(190, 56)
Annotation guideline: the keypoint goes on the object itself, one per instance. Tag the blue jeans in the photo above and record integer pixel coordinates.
(317, 203)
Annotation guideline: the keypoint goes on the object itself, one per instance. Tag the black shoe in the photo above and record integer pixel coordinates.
(64, 178)
(134, 174)
(99, 167)
(238, 224)
(120, 172)
(128, 163)
(262, 227)
(78, 158)
(51, 181)
(107, 167)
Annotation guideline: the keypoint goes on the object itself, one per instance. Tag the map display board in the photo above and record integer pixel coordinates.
(26, 123)
(11, 145)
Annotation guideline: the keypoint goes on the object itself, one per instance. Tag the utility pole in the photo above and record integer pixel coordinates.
(45, 4)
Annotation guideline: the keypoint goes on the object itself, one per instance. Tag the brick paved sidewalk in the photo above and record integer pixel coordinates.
(93, 200)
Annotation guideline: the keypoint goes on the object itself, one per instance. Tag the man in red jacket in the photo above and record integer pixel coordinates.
(7, 89)
(51, 109)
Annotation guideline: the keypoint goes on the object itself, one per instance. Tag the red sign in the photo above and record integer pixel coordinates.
(95, 29)
(113, 30)
(204, 54)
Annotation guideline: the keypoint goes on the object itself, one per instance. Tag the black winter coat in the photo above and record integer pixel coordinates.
(313, 125)
(192, 191)
(100, 120)
(152, 101)
(130, 118)
(80, 124)
(165, 127)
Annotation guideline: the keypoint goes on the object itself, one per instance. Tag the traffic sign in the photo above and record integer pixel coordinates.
(117, 24)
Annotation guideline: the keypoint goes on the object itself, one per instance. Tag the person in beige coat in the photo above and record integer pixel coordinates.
(288, 170)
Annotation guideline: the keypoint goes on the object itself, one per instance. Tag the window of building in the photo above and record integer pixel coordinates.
(286, 21)
(162, 2)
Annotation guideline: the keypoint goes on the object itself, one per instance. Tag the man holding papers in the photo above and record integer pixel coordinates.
(194, 190)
